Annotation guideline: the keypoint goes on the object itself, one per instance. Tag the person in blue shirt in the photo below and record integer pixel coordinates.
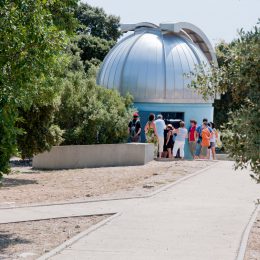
(160, 126)
(199, 138)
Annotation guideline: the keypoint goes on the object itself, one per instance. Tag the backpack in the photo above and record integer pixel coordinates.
(132, 129)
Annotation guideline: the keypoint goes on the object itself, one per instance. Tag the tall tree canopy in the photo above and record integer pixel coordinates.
(238, 75)
(94, 21)
(49, 53)
(31, 47)
(97, 33)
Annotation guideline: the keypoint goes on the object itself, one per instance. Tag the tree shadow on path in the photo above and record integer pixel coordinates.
(8, 239)
(9, 182)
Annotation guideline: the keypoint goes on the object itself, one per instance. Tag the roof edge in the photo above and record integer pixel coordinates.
(133, 27)
(197, 36)
(188, 29)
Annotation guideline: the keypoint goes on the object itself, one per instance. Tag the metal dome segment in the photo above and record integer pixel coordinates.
(152, 64)
(197, 36)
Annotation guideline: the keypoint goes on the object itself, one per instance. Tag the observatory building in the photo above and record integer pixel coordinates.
(153, 62)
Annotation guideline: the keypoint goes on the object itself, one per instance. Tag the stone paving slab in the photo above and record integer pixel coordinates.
(201, 218)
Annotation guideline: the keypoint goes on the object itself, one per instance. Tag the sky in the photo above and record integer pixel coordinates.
(218, 19)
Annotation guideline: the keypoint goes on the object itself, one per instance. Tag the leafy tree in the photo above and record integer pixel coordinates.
(91, 114)
(97, 33)
(30, 54)
(7, 135)
(63, 14)
(226, 103)
(94, 21)
(39, 133)
(239, 74)
(242, 137)
(93, 49)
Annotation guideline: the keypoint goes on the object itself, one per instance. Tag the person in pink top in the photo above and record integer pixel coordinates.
(192, 137)
(151, 133)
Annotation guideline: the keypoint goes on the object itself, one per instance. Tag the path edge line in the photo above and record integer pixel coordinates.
(246, 233)
(74, 239)
(168, 186)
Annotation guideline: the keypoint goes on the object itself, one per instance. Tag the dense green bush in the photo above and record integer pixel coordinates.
(89, 114)
(39, 132)
(7, 136)
(242, 137)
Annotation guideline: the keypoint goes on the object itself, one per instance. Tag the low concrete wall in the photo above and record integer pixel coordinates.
(223, 157)
(90, 156)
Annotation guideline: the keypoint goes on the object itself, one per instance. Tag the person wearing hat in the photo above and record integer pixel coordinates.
(134, 129)
(169, 140)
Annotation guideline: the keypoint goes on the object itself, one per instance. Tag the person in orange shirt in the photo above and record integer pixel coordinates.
(205, 143)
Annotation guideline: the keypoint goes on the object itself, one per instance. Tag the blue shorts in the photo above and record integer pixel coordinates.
(198, 149)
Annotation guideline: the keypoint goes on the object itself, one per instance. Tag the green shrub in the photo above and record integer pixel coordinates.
(91, 114)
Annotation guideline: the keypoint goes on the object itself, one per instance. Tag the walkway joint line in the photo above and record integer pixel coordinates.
(246, 233)
(74, 239)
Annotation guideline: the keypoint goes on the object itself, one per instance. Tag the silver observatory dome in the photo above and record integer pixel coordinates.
(152, 63)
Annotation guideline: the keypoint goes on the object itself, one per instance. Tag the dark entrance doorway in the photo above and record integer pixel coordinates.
(173, 115)
(173, 118)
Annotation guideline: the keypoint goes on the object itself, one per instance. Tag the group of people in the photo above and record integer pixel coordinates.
(169, 142)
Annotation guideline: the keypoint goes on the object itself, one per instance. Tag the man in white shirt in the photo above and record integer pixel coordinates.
(160, 126)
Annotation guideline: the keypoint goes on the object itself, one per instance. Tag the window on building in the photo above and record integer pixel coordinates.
(173, 115)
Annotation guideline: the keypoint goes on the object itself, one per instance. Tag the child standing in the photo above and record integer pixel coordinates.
(214, 136)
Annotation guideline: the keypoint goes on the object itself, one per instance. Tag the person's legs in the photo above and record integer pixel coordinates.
(161, 143)
(197, 150)
(182, 149)
(208, 153)
(176, 146)
(192, 146)
(204, 150)
(155, 149)
(213, 151)
(169, 152)
(194, 149)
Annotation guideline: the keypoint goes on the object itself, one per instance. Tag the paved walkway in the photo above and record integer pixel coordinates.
(201, 218)
(13, 215)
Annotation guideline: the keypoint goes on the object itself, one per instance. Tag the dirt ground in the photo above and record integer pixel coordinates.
(26, 185)
(253, 245)
(29, 240)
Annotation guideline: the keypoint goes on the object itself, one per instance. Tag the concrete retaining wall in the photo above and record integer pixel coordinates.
(223, 157)
(90, 156)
